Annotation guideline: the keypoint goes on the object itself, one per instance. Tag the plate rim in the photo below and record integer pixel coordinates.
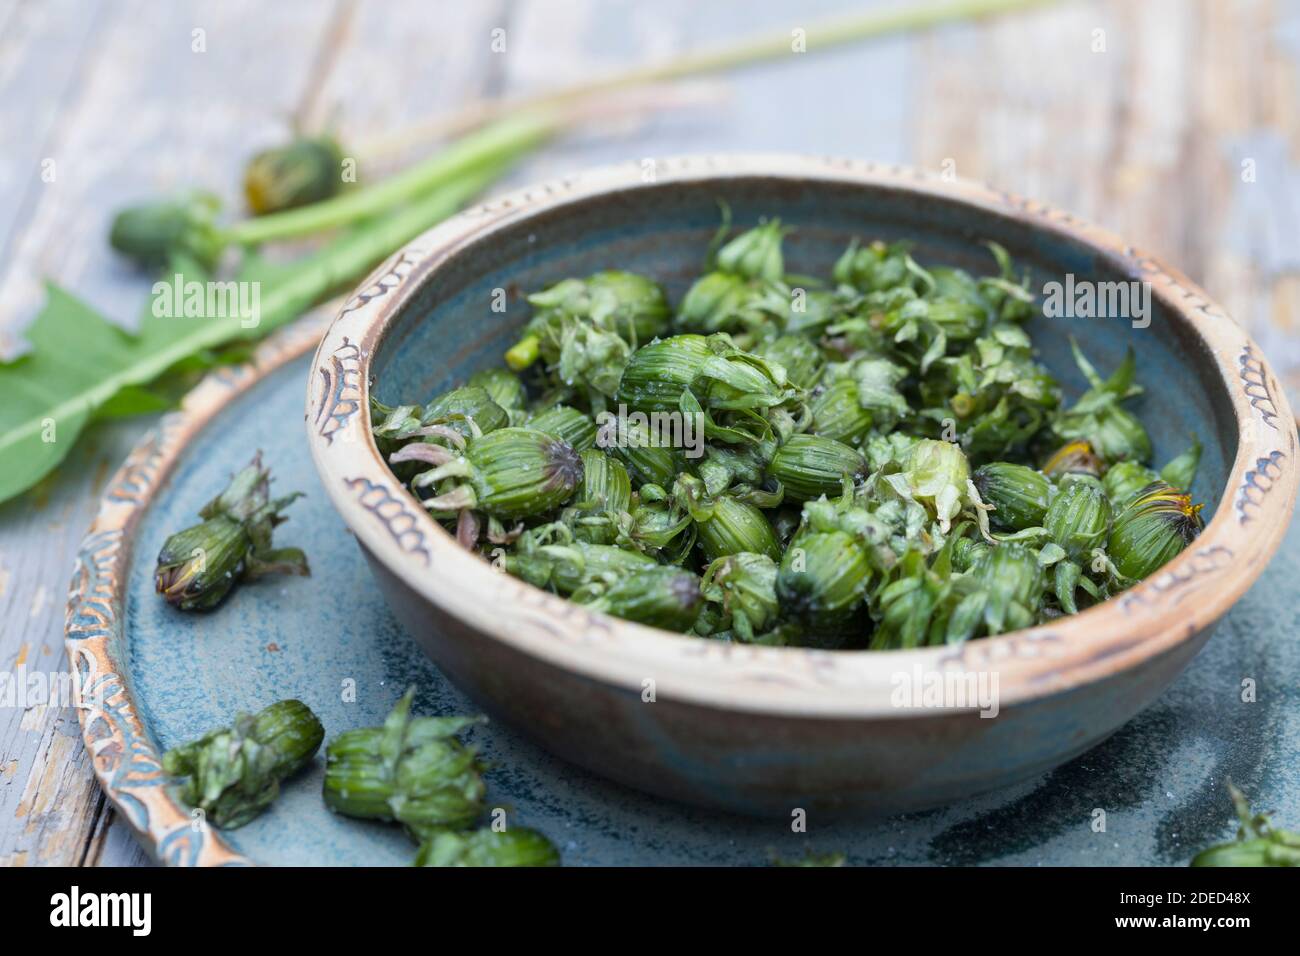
(123, 757)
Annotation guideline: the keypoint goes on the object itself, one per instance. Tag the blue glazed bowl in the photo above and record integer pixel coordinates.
(767, 730)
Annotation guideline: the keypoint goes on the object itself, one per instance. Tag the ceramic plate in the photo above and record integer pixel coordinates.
(167, 677)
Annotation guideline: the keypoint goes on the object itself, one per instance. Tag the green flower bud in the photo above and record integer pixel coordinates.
(1073, 458)
(516, 846)
(628, 305)
(744, 584)
(412, 771)
(658, 526)
(466, 409)
(1181, 471)
(966, 551)
(937, 472)
(755, 254)
(1011, 580)
(732, 379)
(657, 374)
(567, 567)
(721, 302)
(1117, 435)
(800, 358)
(647, 461)
(734, 526)
(1261, 851)
(1152, 529)
(961, 320)
(657, 596)
(199, 566)
(567, 424)
(510, 472)
(605, 493)
(307, 170)
(1019, 494)
(1097, 417)
(872, 269)
(234, 773)
(502, 386)
(721, 376)
(1124, 480)
(155, 234)
(809, 466)
(822, 579)
(838, 414)
(1079, 518)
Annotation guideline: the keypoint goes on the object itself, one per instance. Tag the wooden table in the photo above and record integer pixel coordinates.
(1172, 122)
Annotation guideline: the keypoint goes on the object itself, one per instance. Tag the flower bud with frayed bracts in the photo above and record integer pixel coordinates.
(1152, 529)
(605, 494)
(1011, 581)
(809, 466)
(566, 567)
(656, 595)
(800, 358)
(937, 472)
(744, 585)
(754, 254)
(1258, 842)
(1124, 480)
(234, 773)
(412, 771)
(509, 473)
(657, 374)
(516, 846)
(503, 387)
(469, 410)
(199, 566)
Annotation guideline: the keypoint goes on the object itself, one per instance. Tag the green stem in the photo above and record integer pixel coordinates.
(341, 262)
(498, 142)
(778, 45)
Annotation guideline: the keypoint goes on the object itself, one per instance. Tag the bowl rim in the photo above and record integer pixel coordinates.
(1146, 621)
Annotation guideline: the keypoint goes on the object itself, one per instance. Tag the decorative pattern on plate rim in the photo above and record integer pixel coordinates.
(123, 757)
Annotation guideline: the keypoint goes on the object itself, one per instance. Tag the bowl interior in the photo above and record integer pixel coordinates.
(448, 328)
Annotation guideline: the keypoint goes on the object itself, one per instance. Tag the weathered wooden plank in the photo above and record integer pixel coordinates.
(306, 59)
(156, 106)
(775, 107)
(43, 49)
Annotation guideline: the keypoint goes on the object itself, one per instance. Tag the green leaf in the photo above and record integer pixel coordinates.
(80, 363)
(135, 400)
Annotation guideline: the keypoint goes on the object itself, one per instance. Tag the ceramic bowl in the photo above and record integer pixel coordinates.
(767, 730)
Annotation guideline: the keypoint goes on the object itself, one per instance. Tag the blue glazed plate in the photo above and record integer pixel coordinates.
(1152, 794)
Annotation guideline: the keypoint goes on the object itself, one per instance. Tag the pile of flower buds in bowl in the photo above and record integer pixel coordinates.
(874, 461)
